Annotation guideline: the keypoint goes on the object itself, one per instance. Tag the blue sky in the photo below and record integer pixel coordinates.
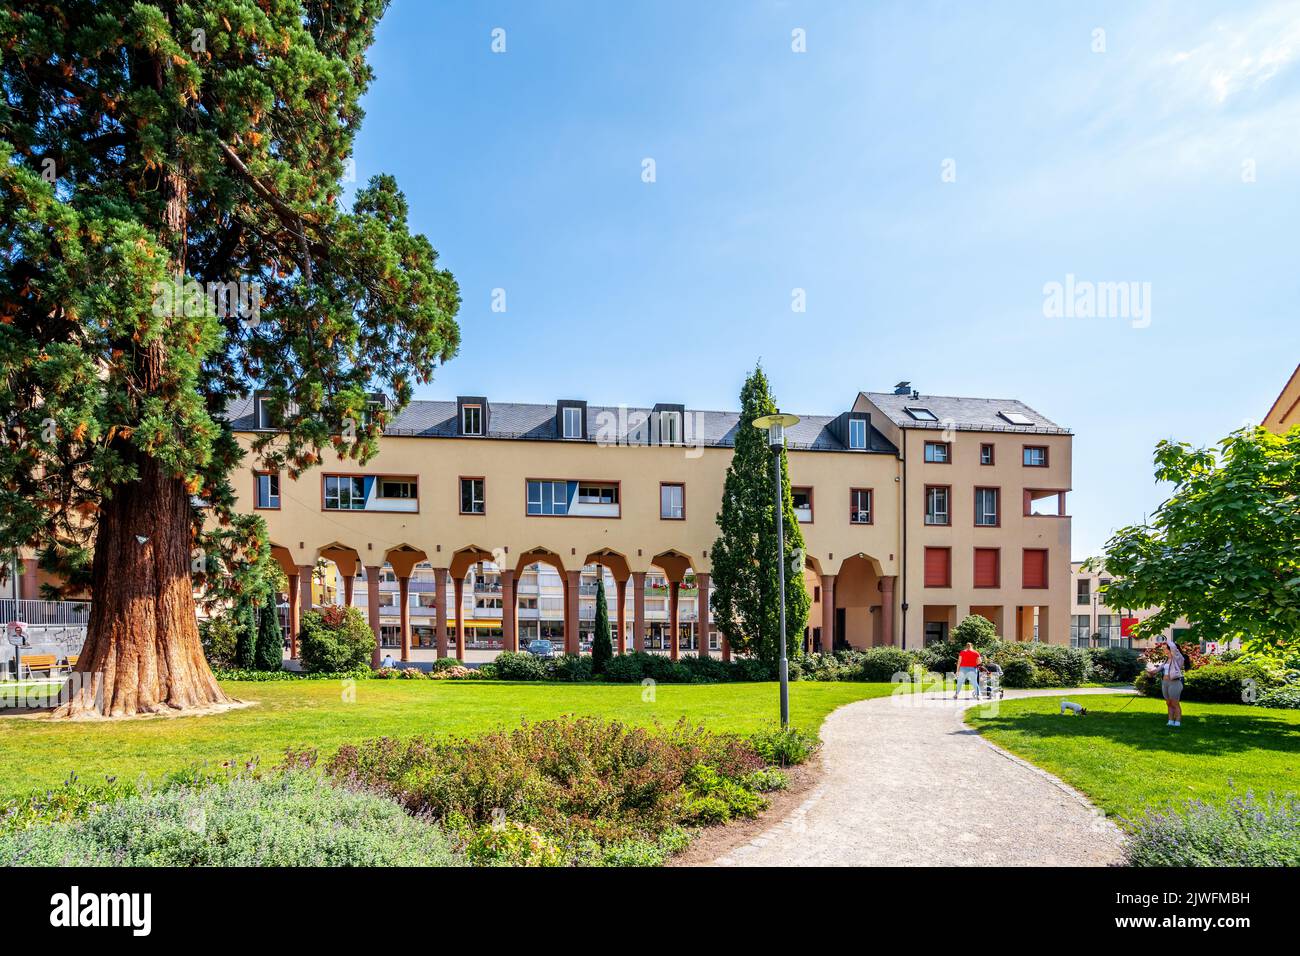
(823, 171)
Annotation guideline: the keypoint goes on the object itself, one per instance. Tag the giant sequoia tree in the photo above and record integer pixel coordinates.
(746, 588)
(164, 164)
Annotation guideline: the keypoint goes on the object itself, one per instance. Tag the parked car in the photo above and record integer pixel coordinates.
(541, 648)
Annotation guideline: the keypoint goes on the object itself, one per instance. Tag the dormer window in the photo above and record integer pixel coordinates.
(670, 428)
(264, 412)
(857, 433)
(572, 422)
(471, 419)
(921, 413)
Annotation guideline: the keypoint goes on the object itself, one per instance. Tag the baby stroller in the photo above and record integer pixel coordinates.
(991, 681)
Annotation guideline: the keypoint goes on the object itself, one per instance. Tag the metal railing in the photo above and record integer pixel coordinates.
(45, 613)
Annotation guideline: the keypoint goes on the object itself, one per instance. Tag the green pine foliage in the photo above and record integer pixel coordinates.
(745, 600)
(149, 148)
(602, 648)
(245, 614)
(269, 655)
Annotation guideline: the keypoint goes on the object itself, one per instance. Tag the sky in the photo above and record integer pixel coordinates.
(860, 193)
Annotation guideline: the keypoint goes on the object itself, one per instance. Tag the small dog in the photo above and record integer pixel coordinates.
(1077, 709)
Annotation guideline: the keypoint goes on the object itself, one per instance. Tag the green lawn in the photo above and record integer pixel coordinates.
(1127, 760)
(36, 753)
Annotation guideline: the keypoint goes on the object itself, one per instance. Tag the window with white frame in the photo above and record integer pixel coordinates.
(670, 428)
(548, 497)
(986, 507)
(1035, 456)
(598, 494)
(803, 504)
(268, 490)
(471, 419)
(471, 496)
(345, 493)
(937, 452)
(857, 433)
(572, 422)
(936, 504)
(860, 506)
(672, 501)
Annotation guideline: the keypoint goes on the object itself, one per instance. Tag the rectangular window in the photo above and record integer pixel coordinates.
(598, 494)
(921, 413)
(1035, 456)
(986, 507)
(938, 567)
(936, 505)
(1083, 591)
(266, 417)
(860, 506)
(986, 454)
(268, 489)
(803, 504)
(988, 571)
(938, 452)
(672, 501)
(572, 422)
(471, 420)
(345, 493)
(670, 428)
(857, 433)
(1035, 568)
(397, 488)
(472, 500)
(548, 497)
(936, 632)
(1080, 630)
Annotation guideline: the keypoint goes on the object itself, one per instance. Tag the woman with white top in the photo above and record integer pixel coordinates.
(1171, 683)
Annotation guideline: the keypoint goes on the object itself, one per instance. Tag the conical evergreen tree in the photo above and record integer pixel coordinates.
(246, 644)
(745, 573)
(602, 649)
(270, 642)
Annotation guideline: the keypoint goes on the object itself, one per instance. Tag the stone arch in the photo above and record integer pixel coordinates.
(858, 602)
(348, 562)
(675, 564)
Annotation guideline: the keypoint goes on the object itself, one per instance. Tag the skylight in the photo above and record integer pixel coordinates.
(1016, 418)
(921, 414)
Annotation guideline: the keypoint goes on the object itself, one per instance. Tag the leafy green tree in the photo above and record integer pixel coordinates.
(1224, 549)
(269, 653)
(974, 629)
(602, 647)
(745, 581)
(156, 160)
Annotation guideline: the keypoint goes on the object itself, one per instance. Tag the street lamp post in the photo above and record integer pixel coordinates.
(775, 426)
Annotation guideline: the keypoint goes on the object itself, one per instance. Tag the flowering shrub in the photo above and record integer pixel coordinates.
(335, 639)
(459, 672)
(357, 673)
(1246, 831)
(412, 673)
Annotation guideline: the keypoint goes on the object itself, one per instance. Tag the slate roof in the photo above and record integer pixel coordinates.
(964, 414)
(534, 422)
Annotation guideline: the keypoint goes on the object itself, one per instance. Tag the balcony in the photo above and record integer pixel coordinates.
(45, 613)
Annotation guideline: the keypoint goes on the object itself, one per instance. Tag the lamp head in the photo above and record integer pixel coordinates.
(775, 426)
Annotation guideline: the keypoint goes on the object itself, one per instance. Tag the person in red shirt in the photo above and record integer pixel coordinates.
(968, 671)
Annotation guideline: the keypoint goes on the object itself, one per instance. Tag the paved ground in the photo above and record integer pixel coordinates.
(908, 784)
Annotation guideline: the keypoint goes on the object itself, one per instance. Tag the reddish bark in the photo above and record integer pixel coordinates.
(142, 653)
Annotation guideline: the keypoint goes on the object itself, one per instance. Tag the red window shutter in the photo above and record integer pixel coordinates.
(986, 568)
(938, 568)
(1035, 570)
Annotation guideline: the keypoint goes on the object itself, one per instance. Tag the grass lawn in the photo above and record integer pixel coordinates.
(1127, 760)
(36, 753)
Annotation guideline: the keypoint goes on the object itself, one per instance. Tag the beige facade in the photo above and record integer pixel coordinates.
(1093, 623)
(408, 522)
(1286, 410)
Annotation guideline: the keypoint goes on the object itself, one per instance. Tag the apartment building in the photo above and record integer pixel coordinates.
(1093, 623)
(481, 524)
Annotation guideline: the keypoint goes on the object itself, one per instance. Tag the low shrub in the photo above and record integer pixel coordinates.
(571, 667)
(444, 664)
(1281, 698)
(72, 801)
(335, 639)
(784, 747)
(411, 673)
(512, 665)
(584, 784)
(1247, 831)
(712, 798)
(1107, 665)
(290, 818)
(357, 673)
(1019, 672)
(1217, 684)
(880, 664)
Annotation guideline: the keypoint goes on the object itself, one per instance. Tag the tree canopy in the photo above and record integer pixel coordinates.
(1224, 549)
(160, 161)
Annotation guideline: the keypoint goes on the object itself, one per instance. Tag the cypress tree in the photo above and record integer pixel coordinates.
(602, 649)
(270, 642)
(745, 571)
(246, 631)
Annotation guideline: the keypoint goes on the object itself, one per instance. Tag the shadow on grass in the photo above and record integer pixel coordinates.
(1208, 734)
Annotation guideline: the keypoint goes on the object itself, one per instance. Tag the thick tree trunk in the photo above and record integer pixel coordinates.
(142, 653)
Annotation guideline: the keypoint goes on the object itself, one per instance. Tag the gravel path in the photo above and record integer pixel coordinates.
(908, 784)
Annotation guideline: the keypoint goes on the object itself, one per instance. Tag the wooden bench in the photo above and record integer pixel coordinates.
(72, 661)
(39, 662)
